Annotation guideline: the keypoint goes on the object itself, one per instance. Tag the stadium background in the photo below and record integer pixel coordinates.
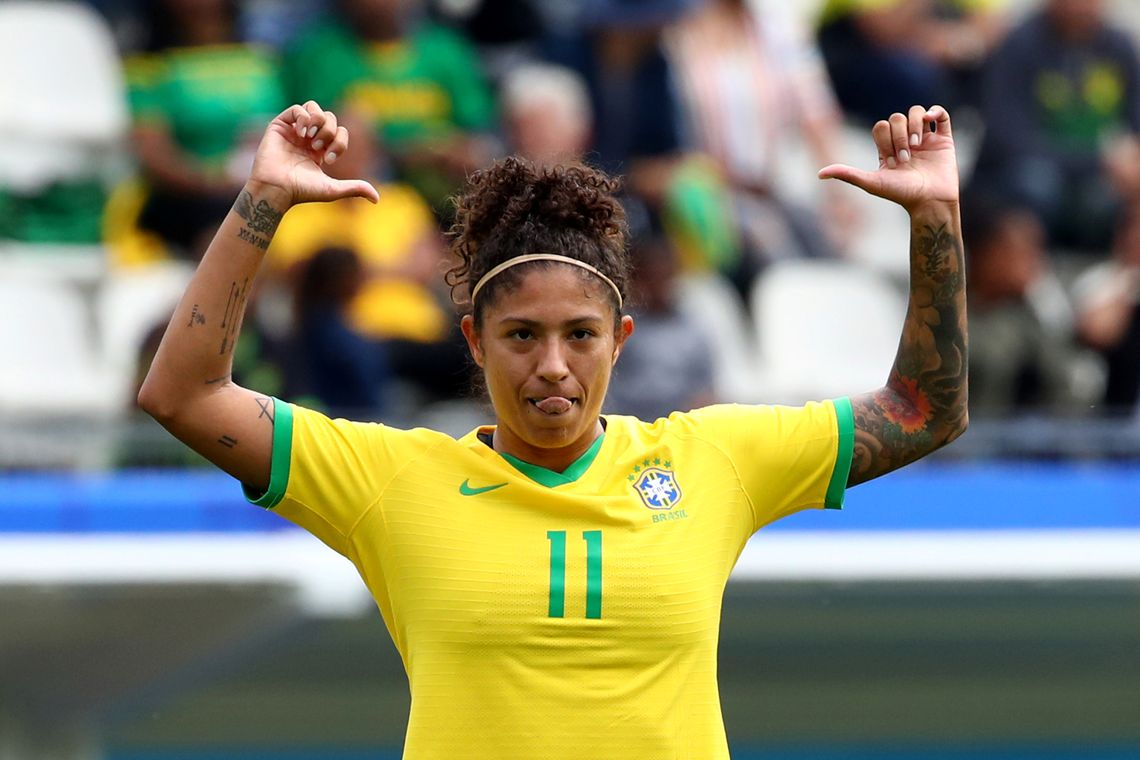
(982, 604)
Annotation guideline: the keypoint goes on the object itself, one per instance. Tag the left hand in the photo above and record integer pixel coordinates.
(296, 146)
(916, 165)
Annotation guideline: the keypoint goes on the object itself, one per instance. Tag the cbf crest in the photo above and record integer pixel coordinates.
(657, 486)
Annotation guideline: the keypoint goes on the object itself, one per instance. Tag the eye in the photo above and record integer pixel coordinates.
(582, 333)
(521, 333)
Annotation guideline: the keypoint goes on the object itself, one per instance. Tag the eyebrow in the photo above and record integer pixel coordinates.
(538, 323)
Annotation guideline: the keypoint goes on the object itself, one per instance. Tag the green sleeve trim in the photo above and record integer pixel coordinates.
(279, 464)
(837, 488)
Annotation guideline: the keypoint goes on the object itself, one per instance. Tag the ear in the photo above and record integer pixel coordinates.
(621, 336)
(467, 325)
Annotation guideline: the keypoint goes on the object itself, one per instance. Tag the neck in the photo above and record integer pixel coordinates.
(208, 31)
(556, 458)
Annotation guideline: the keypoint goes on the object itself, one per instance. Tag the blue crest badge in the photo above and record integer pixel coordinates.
(658, 488)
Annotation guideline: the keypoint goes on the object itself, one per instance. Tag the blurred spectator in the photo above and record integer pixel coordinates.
(752, 82)
(1062, 113)
(506, 32)
(546, 113)
(400, 299)
(886, 55)
(277, 22)
(1022, 346)
(1107, 298)
(669, 367)
(200, 102)
(616, 46)
(417, 84)
(344, 370)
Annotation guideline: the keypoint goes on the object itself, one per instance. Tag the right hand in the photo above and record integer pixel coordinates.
(295, 146)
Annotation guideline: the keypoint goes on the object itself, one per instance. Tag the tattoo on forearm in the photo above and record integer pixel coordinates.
(231, 320)
(252, 239)
(228, 442)
(196, 317)
(266, 405)
(923, 405)
(261, 220)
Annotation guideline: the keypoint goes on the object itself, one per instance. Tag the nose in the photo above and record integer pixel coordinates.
(552, 365)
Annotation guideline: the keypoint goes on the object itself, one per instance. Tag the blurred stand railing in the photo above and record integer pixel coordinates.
(98, 443)
(1042, 438)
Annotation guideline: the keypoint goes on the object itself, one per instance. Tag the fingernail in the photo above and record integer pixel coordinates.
(915, 139)
(904, 155)
(318, 144)
(330, 157)
(299, 130)
(891, 162)
(312, 131)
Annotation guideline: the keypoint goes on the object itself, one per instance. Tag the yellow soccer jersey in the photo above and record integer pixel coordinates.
(558, 615)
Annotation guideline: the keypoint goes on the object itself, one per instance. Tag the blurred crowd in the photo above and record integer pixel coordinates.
(695, 103)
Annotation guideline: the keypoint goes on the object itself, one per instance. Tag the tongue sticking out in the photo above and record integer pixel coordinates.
(554, 405)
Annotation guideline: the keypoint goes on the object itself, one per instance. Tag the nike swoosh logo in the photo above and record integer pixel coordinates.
(467, 490)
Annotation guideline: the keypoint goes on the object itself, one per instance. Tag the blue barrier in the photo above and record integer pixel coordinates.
(955, 496)
(933, 752)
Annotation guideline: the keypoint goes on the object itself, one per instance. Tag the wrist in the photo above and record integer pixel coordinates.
(934, 210)
(275, 195)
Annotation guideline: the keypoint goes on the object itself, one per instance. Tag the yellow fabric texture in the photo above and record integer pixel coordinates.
(461, 552)
(383, 235)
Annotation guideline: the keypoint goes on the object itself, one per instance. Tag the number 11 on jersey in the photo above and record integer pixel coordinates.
(557, 604)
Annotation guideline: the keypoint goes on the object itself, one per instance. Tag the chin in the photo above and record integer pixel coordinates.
(548, 432)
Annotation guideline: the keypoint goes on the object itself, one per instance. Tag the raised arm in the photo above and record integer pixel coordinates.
(188, 388)
(922, 407)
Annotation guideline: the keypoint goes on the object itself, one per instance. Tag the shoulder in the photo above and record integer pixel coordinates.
(726, 424)
(314, 429)
(330, 34)
(1028, 35)
(1119, 43)
(439, 38)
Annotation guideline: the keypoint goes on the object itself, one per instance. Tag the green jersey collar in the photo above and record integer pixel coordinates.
(550, 478)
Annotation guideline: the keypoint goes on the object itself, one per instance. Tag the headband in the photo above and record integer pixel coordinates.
(543, 257)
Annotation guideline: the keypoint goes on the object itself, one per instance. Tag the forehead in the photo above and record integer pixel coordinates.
(550, 293)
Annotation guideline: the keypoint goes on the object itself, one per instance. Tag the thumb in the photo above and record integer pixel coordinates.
(864, 180)
(352, 188)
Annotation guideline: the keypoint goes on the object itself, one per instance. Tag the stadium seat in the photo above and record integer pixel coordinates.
(711, 301)
(130, 303)
(61, 66)
(52, 367)
(824, 329)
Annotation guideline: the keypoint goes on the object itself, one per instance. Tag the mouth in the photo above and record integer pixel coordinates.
(553, 405)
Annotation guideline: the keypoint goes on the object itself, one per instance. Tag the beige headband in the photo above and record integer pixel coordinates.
(543, 257)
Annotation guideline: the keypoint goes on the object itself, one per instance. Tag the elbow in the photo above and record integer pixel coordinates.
(958, 426)
(161, 406)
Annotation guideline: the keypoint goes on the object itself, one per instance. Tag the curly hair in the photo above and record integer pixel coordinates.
(513, 208)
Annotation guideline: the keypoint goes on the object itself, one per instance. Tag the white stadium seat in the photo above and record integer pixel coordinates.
(62, 68)
(824, 329)
(710, 301)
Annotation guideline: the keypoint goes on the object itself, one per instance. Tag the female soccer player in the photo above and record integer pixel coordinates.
(553, 582)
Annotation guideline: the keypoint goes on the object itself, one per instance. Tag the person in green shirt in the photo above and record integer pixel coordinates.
(420, 87)
(197, 99)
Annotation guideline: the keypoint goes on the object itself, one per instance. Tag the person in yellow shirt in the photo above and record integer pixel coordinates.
(553, 581)
(398, 243)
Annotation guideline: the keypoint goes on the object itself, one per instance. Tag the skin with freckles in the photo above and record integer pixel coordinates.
(547, 348)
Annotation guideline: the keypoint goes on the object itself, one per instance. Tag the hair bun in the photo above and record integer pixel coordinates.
(514, 207)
